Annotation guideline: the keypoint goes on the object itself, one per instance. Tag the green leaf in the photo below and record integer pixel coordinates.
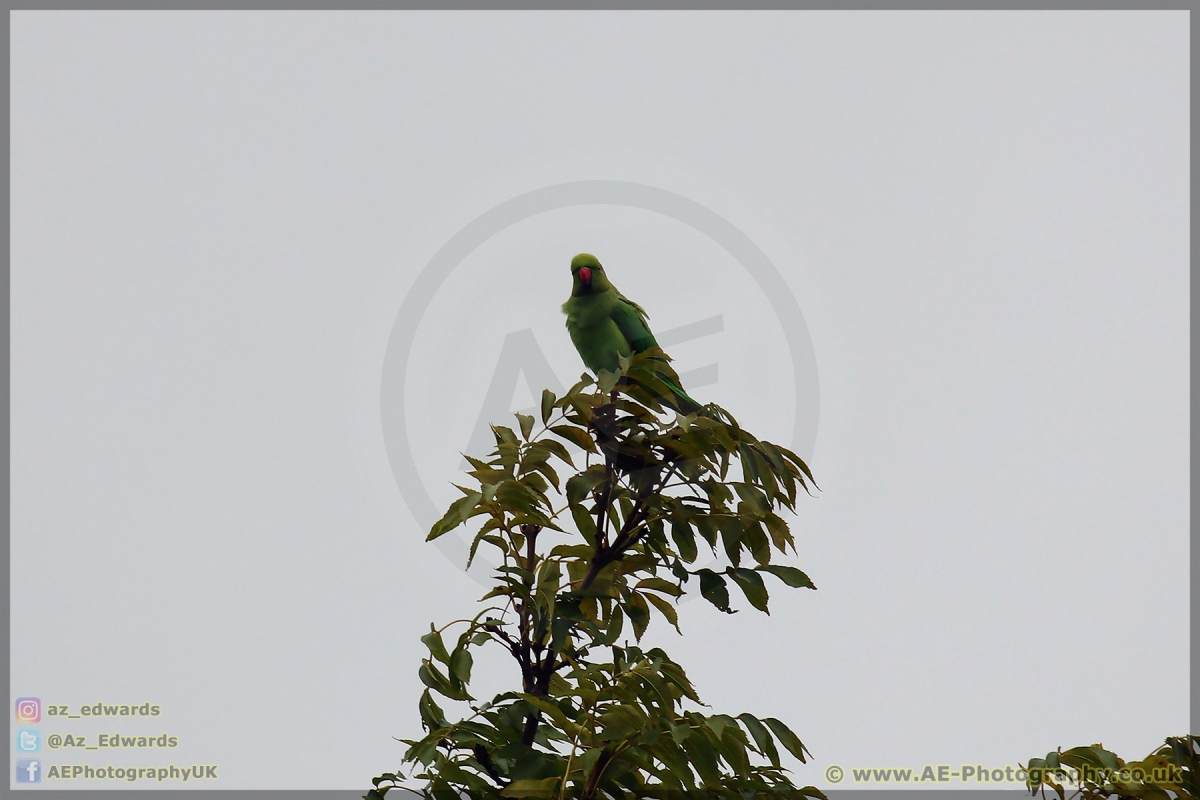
(638, 613)
(666, 609)
(685, 540)
(678, 732)
(460, 664)
(557, 448)
(576, 436)
(731, 537)
(516, 496)
(754, 499)
(762, 738)
(535, 482)
(584, 521)
(659, 585)
(547, 405)
(718, 493)
(717, 723)
(532, 787)
(708, 529)
(712, 587)
(615, 623)
(780, 535)
(799, 462)
(504, 435)
(588, 759)
(550, 708)
(704, 758)
(749, 464)
(550, 474)
(526, 423)
(458, 513)
(756, 540)
(433, 641)
(786, 738)
(734, 745)
(559, 630)
(431, 715)
(581, 408)
(674, 673)
(548, 575)
(620, 721)
(752, 586)
(789, 575)
(432, 677)
(572, 551)
(581, 485)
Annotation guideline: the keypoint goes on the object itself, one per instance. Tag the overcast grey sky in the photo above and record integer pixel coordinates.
(983, 218)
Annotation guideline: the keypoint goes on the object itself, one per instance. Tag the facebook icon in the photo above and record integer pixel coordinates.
(29, 770)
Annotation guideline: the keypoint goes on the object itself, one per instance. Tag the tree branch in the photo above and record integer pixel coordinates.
(593, 780)
(530, 668)
(627, 535)
(503, 636)
(531, 532)
(531, 726)
(485, 761)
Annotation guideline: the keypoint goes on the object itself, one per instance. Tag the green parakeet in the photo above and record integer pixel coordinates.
(605, 325)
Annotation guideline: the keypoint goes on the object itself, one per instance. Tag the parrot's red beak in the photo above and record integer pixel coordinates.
(585, 275)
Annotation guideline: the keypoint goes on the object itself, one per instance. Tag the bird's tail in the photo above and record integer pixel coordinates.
(657, 364)
(686, 403)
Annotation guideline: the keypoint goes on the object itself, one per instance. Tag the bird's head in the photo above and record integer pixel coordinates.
(588, 275)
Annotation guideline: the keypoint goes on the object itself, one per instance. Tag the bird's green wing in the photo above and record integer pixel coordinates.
(631, 319)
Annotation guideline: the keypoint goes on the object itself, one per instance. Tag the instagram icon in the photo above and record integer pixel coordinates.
(29, 709)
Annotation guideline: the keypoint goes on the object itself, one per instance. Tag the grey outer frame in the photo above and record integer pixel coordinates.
(565, 195)
(894, 5)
